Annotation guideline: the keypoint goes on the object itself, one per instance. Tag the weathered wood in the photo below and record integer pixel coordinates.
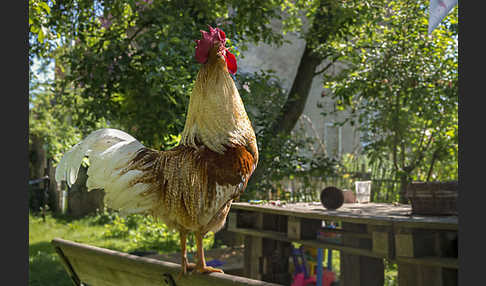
(310, 242)
(371, 213)
(424, 247)
(418, 262)
(274, 268)
(383, 243)
(347, 233)
(431, 261)
(293, 228)
(359, 270)
(253, 248)
(419, 275)
(232, 219)
(67, 266)
(415, 244)
(99, 267)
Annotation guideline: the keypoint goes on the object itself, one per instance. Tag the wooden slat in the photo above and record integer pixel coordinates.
(347, 233)
(99, 267)
(293, 228)
(67, 266)
(253, 261)
(431, 261)
(311, 242)
(360, 270)
(347, 249)
(383, 243)
(416, 244)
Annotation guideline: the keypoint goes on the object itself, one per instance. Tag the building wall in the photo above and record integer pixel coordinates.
(284, 61)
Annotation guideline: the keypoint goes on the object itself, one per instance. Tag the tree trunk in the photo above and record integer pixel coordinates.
(404, 181)
(38, 158)
(294, 106)
(299, 92)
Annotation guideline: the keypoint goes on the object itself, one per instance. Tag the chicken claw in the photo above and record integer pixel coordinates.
(208, 269)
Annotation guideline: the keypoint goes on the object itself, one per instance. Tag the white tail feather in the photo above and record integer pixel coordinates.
(96, 142)
(109, 152)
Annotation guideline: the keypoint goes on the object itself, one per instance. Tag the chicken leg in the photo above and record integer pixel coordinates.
(184, 263)
(201, 266)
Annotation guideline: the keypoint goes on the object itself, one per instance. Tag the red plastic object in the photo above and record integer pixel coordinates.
(300, 280)
(328, 277)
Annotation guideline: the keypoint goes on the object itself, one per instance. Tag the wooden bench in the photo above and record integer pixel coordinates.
(93, 266)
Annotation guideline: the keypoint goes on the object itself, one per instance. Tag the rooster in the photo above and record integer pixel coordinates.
(190, 187)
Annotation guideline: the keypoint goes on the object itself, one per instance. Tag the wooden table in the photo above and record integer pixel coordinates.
(424, 247)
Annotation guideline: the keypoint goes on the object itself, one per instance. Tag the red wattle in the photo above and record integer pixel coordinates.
(230, 62)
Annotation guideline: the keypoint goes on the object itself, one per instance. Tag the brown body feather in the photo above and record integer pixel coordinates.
(194, 186)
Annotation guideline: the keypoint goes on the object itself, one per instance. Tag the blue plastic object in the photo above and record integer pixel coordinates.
(320, 257)
(214, 263)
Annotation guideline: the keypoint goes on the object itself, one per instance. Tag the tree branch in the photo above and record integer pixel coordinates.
(327, 66)
(435, 156)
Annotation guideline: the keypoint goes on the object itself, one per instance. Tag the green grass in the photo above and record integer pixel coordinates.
(102, 230)
(44, 264)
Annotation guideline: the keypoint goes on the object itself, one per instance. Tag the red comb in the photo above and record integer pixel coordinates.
(208, 39)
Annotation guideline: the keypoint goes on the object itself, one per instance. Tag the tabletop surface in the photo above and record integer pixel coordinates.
(372, 213)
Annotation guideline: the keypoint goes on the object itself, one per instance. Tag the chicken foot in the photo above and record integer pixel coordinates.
(201, 266)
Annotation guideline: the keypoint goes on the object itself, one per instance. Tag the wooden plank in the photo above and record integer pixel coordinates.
(232, 220)
(253, 262)
(347, 233)
(342, 248)
(431, 261)
(67, 266)
(418, 258)
(275, 266)
(311, 213)
(100, 267)
(371, 213)
(293, 228)
(262, 233)
(450, 224)
(419, 275)
(415, 244)
(359, 270)
(383, 243)
(310, 242)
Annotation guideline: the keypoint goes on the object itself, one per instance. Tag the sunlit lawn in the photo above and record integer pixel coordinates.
(44, 265)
